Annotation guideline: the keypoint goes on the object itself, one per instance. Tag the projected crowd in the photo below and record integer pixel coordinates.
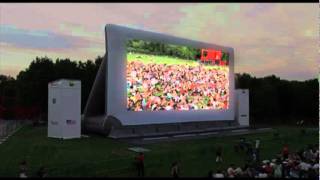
(153, 87)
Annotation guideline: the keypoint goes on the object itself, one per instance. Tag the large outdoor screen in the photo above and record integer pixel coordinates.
(168, 77)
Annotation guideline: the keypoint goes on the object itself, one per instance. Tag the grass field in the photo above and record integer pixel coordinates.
(100, 156)
(146, 59)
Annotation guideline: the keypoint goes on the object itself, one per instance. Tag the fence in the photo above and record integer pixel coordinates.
(7, 127)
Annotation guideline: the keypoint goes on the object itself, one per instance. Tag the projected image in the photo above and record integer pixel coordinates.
(173, 77)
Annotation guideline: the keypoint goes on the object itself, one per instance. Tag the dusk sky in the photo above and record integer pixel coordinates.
(272, 38)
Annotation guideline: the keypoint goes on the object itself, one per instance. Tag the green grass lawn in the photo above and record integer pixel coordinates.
(169, 60)
(100, 156)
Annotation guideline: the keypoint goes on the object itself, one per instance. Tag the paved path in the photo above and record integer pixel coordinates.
(142, 141)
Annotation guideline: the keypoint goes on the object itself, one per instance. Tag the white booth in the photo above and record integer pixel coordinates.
(242, 112)
(64, 109)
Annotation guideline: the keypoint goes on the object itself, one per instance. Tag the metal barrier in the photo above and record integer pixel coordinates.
(9, 126)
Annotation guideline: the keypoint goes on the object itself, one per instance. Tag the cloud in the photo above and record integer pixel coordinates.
(259, 9)
(13, 59)
(42, 40)
(32, 39)
(268, 38)
(91, 16)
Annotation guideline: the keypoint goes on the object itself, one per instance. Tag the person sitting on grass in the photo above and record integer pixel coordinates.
(238, 172)
(308, 154)
(218, 174)
(314, 171)
(294, 170)
(23, 169)
(277, 173)
(262, 175)
(268, 169)
(304, 169)
(248, 171)
(42, 172)
(23, 174)
(231, 171)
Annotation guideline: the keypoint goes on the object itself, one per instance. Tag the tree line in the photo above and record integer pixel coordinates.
(275, 100)
(271, 98)
(163, 49)
(30, 87)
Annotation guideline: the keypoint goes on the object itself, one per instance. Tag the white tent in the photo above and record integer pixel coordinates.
(242, 113)
(64, 109)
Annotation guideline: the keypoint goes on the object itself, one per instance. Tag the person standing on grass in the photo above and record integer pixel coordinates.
(285, 151)
(219, 154)
(257, 150)
(210, 174)
(254, 156)
(140, 164)
(249, 153)
(242, 144)
(175, 170)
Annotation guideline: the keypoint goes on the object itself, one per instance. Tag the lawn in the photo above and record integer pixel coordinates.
(100, 156)
(146, 59)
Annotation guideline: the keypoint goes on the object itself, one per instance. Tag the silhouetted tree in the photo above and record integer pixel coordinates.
(273, 99)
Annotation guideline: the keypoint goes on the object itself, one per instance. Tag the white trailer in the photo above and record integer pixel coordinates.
(64, 109)
(242, 110)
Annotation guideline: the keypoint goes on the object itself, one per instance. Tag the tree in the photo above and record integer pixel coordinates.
(270, 96)
(32, 83)
(7, 96)
(272, 99)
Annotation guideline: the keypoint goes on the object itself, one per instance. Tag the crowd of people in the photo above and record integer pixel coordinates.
(298, 164)
(154, 87)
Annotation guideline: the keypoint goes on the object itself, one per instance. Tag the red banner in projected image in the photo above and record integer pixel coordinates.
(212, 56)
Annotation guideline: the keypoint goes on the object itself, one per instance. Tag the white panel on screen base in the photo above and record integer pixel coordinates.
(116, 82)
(64, 109)
(243, 106)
